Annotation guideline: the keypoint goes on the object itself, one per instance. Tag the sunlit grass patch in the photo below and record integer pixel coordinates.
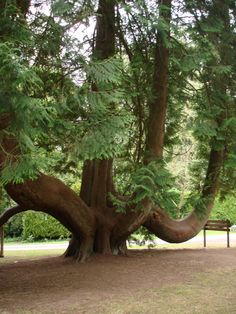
(13, 256)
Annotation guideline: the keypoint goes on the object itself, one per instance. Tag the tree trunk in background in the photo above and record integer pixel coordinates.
(158, 105)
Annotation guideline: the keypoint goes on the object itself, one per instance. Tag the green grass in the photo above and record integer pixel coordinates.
(13, 256)
(15, 241)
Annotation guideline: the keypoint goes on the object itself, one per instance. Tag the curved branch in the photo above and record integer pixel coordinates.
(9, 212)
(50, 195)
(176, 231)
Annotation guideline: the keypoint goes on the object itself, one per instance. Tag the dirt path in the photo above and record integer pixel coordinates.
(56, 285)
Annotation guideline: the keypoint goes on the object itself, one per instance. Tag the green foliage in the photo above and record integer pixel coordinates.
(30, 115)
(4, 200)
(156, 183)
(12, 25)
(37, 226)
(105, 71)
(75, 108)
(59, 7)
(103, 128)
(14, 227)
(141, 236)
(225, 209)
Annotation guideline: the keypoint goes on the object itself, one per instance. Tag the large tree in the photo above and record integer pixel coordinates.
(131, 82)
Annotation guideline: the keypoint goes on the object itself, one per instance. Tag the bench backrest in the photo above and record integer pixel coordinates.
(218, 225)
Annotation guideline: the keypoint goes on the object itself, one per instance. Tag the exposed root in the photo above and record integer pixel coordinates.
(72, 247)
(85, 250)
(121, 249)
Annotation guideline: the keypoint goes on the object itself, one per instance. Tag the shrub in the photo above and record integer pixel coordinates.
(37, 226)
(225, 209)
(14, 227)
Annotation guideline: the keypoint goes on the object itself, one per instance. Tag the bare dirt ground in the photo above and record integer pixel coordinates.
(58, 285)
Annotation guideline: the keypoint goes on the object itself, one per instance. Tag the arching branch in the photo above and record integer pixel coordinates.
(176, 231)
(51, 196)
(9, 212)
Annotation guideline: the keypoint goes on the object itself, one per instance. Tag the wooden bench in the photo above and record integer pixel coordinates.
(1, 241)
(217, 225)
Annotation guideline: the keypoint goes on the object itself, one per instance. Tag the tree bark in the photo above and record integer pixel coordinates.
(95, 225)
(158, 222)
(176, 231)
(158, 104)
(97, 174)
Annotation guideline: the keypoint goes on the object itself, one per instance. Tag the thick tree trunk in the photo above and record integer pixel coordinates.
(91, 217)
(97, 174)
(97, 182)
(93, 221)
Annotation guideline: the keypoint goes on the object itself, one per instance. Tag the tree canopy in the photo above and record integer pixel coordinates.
(111, 94)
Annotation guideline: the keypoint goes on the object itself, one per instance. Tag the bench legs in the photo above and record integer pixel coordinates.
(204, 238)
(228, 238)
(1, 242)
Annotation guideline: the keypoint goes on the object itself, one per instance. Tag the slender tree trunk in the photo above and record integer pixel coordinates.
(158, 105)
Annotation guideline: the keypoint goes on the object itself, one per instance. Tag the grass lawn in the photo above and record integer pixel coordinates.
(15, 241)
(14, 256)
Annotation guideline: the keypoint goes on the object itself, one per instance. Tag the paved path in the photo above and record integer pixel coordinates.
(35, 246)
(211, 239)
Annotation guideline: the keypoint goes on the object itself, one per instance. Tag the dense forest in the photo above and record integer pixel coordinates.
(117, 115)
